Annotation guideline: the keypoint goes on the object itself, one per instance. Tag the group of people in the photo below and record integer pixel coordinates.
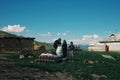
(64, 47)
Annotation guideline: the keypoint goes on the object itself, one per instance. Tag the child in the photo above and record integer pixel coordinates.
(72, 48)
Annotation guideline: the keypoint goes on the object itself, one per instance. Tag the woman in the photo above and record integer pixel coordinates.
(64, 48)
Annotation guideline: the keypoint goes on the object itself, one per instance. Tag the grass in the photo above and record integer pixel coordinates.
(101, 67)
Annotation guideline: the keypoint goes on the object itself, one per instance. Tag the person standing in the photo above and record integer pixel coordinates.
(72, 48)
(106, 48)
(56, 43)
(64, 48)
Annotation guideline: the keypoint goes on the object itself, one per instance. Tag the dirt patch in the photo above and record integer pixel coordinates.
(64, 76)
(3, 58)
(8, 71)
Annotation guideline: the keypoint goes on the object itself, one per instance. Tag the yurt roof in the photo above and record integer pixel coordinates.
(111, 38)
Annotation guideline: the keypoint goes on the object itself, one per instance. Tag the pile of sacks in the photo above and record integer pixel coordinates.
(49, 57)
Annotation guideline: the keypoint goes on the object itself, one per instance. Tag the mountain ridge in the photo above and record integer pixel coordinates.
(6, 34)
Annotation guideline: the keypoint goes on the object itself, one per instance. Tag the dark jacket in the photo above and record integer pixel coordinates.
(56, 43)
(64, 49)
(71, 47)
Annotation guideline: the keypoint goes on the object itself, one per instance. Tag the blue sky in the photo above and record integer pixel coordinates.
(80, 21)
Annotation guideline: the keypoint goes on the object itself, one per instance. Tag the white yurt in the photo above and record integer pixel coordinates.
(113, 42)
(96, 47)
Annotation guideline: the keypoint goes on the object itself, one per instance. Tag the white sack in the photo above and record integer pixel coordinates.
(59, 51)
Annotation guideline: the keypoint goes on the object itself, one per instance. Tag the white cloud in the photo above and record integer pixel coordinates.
(86, 39)
(58, 34)
(90, 38)
(13, 28)
(75, 41)
(45, 35)
(95, 36)
(62, 34)
(52, 40)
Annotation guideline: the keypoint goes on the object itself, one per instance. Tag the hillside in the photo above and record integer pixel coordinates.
(5, 34)
(48, 46)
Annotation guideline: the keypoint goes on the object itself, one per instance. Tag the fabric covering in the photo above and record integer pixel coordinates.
(59, 51)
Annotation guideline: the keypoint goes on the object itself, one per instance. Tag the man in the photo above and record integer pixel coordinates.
(56, 43)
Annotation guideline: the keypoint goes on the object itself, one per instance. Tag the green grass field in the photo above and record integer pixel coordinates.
(86, 65)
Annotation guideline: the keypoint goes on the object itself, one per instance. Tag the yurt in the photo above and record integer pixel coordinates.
(111, 43)
(96, 47)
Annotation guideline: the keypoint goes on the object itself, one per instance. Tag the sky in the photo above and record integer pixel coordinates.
(80, 21)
